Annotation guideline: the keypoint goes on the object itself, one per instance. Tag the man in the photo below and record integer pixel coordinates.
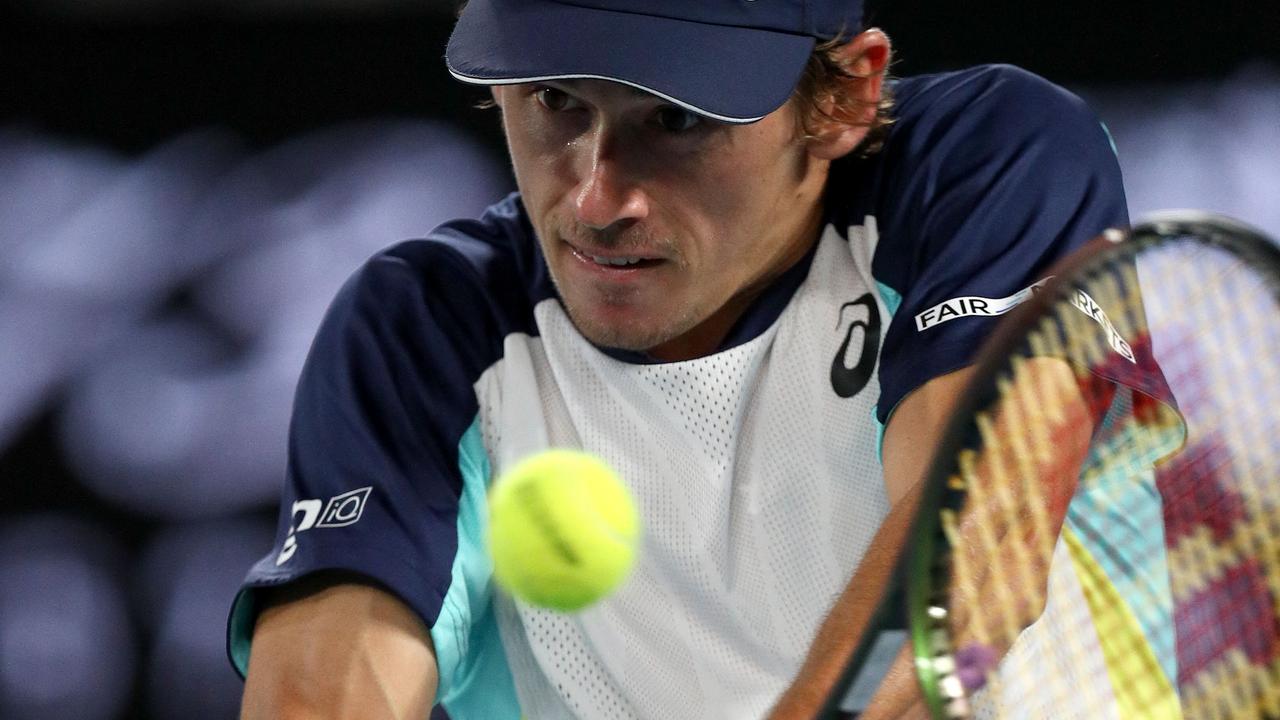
(730, 265)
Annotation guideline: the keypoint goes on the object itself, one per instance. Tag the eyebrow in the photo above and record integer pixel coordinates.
(631, 89)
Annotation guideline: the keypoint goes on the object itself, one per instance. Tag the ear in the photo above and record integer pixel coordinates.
(866, 57)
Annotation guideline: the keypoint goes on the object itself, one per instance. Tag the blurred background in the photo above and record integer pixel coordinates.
(185, 183)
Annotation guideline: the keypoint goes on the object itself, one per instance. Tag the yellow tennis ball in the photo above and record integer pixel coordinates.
(562, 530)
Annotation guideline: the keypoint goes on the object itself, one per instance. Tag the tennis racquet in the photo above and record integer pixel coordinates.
(1099, 534)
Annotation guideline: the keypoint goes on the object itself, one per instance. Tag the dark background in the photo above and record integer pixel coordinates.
(131, 80)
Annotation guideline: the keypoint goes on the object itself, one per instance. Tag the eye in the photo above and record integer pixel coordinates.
(674, 119)
(552, 98)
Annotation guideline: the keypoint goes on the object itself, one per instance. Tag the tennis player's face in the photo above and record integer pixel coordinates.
(659, 226)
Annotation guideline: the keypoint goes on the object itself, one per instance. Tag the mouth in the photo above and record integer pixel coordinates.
(613, 262)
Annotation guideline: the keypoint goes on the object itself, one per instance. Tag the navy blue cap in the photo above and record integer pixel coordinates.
(730, 60)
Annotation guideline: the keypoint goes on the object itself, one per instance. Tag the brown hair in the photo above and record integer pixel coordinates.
(822, 96)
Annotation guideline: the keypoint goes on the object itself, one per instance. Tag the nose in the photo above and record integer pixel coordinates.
(608, 192)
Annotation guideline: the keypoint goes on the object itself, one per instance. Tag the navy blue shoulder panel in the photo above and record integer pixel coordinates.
(387, 392)
(988, 176)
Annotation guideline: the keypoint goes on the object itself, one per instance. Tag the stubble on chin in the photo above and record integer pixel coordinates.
(647, 331)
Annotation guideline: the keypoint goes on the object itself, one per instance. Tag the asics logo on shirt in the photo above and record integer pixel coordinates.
(846, 379)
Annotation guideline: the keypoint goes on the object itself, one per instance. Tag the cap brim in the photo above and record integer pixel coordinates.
(730, 74)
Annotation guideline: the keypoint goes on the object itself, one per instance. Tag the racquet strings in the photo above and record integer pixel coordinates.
(1156, 595)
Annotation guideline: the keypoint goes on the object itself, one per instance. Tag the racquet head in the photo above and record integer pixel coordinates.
(1100, 532)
